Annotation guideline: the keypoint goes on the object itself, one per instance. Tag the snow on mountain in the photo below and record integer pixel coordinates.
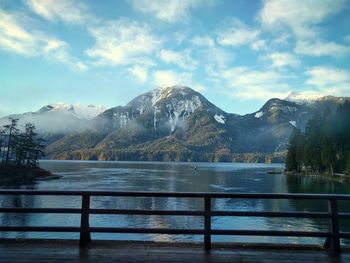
(220, 118)
(259, 114)
(294, 123)
(58, 118)
(175, 104)
(80, 111)
(298, 97)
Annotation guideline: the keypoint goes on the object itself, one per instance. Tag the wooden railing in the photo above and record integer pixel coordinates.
(332, 236)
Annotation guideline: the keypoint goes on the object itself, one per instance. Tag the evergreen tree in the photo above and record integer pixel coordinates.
(295, 154)
(2, 138)
(313, 143)
(347, 169)
(21, 148)
(328, 144)
(12, 133)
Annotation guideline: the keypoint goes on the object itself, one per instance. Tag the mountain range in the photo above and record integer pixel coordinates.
(174, 124)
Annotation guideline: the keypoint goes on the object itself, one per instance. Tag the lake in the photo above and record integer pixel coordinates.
(172, 177)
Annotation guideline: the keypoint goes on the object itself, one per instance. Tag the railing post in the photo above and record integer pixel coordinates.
(334, 243)
(207, 222)
(85, 236)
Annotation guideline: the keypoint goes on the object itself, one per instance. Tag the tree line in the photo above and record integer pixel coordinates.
(324, 145)
(20, 147)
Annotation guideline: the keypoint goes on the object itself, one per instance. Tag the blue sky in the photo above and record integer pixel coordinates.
(236, 53)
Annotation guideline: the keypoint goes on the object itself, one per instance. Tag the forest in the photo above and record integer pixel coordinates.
(19, 147)
(324, 146)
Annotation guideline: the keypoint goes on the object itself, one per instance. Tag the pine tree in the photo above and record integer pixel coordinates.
(341, 125)
(12, 133)
(21, 148)
(313, 143)
(295, 154)
(2, 137)
(328, 144)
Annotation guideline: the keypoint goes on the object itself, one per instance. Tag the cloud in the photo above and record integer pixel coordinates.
(183, 59)
(320, 48)
(167, 10)
(217, 60)
(217, 57)
(255, 84)
(167, 78)
(139, 72)
(347, 38)
(67, 11)
(122, 42)
(258, 45)
(235, 33)
(203, 41)
(303, 19)
(18, 36)
(282, 59)
(329, 80)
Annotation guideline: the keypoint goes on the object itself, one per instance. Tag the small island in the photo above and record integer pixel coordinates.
(20, 150)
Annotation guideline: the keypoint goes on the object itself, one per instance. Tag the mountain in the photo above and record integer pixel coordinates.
(79, 111)
(53, 121)
(179, 124)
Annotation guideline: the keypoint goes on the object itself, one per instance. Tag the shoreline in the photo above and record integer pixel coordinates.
(10, 173)
(338, 177)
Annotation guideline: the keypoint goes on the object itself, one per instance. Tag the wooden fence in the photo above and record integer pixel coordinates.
(332, 236)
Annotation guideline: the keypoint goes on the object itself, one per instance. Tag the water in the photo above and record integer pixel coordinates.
(172, 177)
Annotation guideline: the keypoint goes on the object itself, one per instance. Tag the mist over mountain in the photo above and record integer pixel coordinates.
(53, 121)
(174, 124)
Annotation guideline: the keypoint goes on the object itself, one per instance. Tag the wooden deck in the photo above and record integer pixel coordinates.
(47, 251)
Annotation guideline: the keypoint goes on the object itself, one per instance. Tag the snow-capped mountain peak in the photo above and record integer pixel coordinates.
(78, 110)
(298, 97)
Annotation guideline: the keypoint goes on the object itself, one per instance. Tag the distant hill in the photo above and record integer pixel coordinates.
(179, 124)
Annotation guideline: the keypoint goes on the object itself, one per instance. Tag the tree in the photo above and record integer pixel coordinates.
(328, 144)
(295, 154)
(313, 143)
(342, 128)
(2, 137)
(22, 148)
(12, 133)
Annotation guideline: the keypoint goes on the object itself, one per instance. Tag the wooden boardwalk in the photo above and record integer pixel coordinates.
(46, 251)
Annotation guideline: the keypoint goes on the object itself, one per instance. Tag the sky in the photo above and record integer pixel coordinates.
(237, 53)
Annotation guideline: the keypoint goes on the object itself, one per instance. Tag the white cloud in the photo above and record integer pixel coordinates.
(123, 42)
(203, 41)
(183, 59)
(68, 11)
(347, 38)
(320, 48)
(334, 80)
(303, 19)
(167, 10)
(218, 57)
(235, 33)
(167, 78)
(18, 36)
(139, 72)
(258, 45)
(328, 81)
(180, 37)
(254, 84)
(282, 59)
(301, 16)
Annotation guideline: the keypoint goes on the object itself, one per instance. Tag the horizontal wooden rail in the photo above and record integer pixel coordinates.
(332, 236)
(176, 194)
